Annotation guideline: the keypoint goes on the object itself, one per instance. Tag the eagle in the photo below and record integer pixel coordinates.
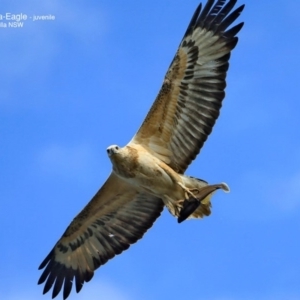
(148, 173)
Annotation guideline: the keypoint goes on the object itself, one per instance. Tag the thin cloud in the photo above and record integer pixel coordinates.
(31, 51)
(75, 19)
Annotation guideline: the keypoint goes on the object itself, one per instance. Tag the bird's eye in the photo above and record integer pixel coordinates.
(117, 147)
(107, 150)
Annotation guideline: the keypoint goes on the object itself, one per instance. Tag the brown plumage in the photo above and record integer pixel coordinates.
(148, 173)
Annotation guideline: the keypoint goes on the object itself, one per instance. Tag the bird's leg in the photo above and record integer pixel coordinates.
(188, 193)
(190, 204)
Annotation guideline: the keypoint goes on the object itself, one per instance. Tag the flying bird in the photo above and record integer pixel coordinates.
(148, 173)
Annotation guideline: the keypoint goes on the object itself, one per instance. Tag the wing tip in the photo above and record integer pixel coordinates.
(62, 278)
(46, 260)
(215, 15)
(193, 20)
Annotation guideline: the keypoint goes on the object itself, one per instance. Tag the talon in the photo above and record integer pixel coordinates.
(189, 193)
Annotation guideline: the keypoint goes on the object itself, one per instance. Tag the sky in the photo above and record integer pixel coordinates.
(74, 85)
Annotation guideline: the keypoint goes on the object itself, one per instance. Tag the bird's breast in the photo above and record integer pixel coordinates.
(145, 171)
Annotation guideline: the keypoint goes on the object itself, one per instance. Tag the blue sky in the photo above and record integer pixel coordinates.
(73, 86)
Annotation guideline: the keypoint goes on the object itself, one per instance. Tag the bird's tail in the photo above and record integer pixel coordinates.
(203, 193)
(204, 196)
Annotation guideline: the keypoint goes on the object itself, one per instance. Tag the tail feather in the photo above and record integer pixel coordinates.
(204, 195)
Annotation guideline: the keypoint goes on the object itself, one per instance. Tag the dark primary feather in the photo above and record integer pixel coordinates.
(193, 20)
(202, 87)
(105, 237)
(189, 101)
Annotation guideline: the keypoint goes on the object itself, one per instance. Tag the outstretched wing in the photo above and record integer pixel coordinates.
(190, 99)
(116, 217)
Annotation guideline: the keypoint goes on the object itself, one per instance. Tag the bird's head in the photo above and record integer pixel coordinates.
(113, 149)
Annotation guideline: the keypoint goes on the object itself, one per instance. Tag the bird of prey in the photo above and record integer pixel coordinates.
(148, 173)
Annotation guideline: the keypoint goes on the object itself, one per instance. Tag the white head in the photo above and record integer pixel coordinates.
(113, 149)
